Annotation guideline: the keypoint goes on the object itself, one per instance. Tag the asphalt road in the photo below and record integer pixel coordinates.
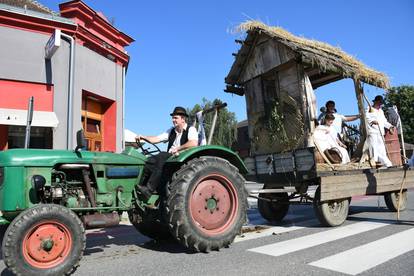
(371, 242)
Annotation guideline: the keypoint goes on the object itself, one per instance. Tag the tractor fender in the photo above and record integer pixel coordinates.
(210, 150)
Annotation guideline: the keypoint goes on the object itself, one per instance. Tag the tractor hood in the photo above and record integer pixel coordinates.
(47, 158)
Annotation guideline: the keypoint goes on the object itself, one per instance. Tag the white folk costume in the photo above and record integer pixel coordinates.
(376, 136)
(326, 138)
(337, 123)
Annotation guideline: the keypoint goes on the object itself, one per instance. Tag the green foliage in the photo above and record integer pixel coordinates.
(226, 126)
(276, 128)
(403, 98)
(275, 124)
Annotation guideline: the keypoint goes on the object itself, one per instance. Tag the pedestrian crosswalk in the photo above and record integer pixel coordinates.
(364, 257)
(289, 246)
(354, 261)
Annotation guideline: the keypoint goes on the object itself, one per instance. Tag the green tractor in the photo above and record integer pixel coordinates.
(49, 197)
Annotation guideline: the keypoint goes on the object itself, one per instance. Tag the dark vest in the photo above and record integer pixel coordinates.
(173, 134)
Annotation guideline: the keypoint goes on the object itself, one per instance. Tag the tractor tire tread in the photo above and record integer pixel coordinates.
(179, 225)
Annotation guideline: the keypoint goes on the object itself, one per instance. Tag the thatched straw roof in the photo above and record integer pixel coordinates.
(319, 54)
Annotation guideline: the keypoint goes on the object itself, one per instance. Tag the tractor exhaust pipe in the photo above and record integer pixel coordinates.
(87, 182)
(98, 220)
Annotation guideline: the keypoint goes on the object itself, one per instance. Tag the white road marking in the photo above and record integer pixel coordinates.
(364, 257)
(289, 246)
(275, 230)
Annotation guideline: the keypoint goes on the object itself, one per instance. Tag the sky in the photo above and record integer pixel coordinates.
(183, 49)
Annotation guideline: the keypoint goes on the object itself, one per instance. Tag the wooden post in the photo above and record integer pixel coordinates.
(213, 126)
(359, 91)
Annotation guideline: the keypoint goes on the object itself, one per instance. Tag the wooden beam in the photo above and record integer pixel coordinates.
(318, 82)
(359, 91)
(235, 90)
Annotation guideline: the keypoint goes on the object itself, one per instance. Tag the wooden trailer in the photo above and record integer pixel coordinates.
(277, 73)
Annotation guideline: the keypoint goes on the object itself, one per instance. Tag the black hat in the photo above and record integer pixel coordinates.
(178, 110)
(379, 98)
(329, 102)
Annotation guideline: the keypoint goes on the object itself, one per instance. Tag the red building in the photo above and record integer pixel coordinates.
(77, 83)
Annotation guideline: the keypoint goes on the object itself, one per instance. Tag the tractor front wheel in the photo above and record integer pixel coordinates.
(206, 207)
(47, 239)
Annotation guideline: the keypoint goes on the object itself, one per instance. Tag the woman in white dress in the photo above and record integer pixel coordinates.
(327, 137)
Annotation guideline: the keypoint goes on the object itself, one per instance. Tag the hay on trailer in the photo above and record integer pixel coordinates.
(320, 54)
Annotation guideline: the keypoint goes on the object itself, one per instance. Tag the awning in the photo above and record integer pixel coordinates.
(18, 117)
(129, 136)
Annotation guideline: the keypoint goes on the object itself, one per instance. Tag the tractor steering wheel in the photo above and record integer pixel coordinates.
(148, 151)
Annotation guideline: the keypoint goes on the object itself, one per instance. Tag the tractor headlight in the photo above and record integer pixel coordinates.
(38, 182)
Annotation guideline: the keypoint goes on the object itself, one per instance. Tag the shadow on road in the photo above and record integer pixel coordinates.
(124, 235)
(170, 246)
(354, 209)
(6, 272)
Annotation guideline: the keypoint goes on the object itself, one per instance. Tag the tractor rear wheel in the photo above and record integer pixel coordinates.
(47, 239)
(391, 200)
(206, 207)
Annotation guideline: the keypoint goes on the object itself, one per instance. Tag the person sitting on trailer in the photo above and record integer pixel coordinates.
(339, 118)
(376, 131)
(180, 136)
(326, 137)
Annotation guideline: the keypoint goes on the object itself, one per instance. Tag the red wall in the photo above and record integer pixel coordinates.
(16, 94)
(110, 128)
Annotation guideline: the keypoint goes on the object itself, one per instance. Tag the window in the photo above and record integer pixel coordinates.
(40, 137)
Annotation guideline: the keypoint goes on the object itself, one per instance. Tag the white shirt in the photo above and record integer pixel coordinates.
(325, 137)
(377, 115)
(192, 135)
(337, 123)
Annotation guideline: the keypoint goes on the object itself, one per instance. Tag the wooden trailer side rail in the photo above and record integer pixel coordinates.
(364, 182)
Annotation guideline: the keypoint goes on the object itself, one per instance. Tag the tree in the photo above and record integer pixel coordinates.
(403, 98)
(226, 126)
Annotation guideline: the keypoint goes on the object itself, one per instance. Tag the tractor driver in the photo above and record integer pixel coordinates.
(180, 136)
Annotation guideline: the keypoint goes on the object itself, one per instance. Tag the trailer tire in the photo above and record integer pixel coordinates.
(47, 239)
(330, 213)
(207, 203)
(273, 211)
(391, 200)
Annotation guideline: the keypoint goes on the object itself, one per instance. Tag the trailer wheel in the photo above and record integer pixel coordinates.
(391, 200)
(330, 213)
(47, 239)
(206, 207)
(273, 211)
